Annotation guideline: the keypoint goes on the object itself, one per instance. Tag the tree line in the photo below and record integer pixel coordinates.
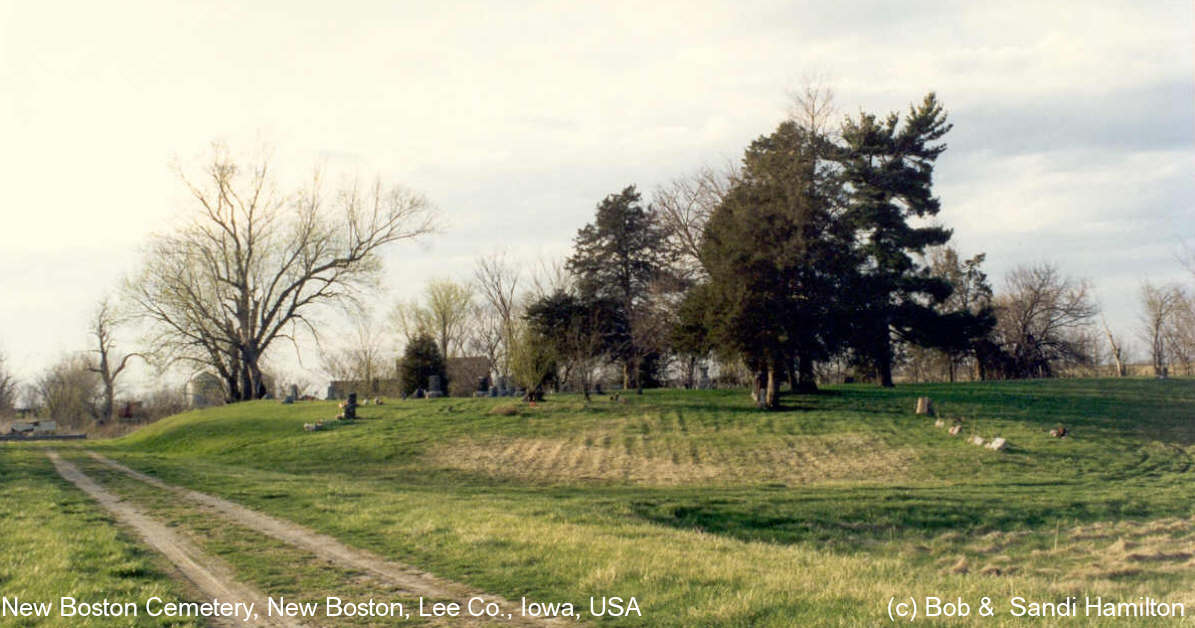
(817, 256)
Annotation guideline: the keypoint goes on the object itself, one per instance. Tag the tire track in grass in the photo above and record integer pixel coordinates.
(407, 578)
(207, 573)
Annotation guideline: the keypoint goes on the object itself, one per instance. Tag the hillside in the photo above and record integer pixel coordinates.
(713, 513)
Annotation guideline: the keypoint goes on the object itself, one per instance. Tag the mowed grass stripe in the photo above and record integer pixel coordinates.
(742, 550)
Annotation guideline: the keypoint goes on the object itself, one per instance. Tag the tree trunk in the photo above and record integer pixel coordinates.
(806, 379)
(884, 363)
(772, 399)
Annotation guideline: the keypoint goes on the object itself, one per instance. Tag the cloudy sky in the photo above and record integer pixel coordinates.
(1074, 137)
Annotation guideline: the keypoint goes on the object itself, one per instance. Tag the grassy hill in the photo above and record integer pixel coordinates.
(713, 513)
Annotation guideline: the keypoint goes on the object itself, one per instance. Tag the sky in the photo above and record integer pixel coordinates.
(1073, 140)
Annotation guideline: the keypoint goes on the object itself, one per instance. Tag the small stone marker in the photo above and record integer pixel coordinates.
(997, 444)
(939, 423)
(925, 406)
(954, 430)
(977, 440)
(293, 395)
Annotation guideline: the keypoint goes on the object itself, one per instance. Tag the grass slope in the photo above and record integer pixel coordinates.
(713, 513)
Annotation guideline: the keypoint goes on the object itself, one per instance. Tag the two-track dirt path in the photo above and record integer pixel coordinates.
(207, 573)
(405, 577)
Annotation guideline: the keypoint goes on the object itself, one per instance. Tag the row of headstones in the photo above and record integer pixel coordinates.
(926, 407)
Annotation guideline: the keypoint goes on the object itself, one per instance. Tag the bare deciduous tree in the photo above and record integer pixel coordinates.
(488, 336)
(1116, 350)
(8, 388)
(70, 391)
(684, 206)
(549, 277)
(109, 364)
(1043, 320)
(445, 316)
(253, 263)
(363, 357)
(812, 106)
(1160, 309)
(498, 282)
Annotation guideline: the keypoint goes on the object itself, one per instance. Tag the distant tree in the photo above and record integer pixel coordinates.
(498, 282)
(71, 392)
(253, 264)
(1161, 309)
(1043, 321)
(578, 330)
(618, 257)
(690, 336)
(108, 363)
(488, 337)
(361, 354)
(888, 170)
(1116, 349)
(420, 361)
(965, 317)
(683, 208)
(533, 360)
(9, 388)
(444, 314)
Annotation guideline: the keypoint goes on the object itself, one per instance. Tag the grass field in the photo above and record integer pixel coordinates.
(53, 542)
(707, 511)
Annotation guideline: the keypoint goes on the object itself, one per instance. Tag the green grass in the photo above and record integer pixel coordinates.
(713, 513)
(54, 542)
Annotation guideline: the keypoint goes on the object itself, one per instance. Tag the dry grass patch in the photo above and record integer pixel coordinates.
(670, 459)
(1106, 551)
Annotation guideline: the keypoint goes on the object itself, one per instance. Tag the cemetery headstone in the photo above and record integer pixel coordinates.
(997, 444)
(955, 430)
(925, 406)
(433, 387)
(349, 407)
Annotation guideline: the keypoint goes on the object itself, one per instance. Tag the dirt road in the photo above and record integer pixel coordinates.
(208, 574)
(405, 577)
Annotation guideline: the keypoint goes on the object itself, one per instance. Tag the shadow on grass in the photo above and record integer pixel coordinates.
(846, 519)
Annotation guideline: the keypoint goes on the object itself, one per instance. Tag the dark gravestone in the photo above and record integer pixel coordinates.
(433, 387)
(350, 408)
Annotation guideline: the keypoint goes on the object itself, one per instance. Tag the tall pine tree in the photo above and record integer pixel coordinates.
(617, 257)
(888, 170)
